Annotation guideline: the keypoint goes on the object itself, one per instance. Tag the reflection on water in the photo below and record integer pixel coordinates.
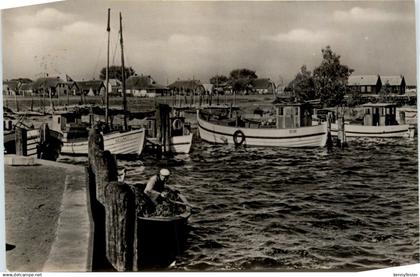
(296, 209)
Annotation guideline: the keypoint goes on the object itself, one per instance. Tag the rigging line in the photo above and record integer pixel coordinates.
(115, 50)
(97, 58)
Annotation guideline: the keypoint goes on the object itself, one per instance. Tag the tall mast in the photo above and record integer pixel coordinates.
(108, 29)
(123, 75)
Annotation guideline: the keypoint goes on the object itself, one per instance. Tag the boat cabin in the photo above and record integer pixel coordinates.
(70, 125)
(293, 115)
(379, 114)
(177, 127)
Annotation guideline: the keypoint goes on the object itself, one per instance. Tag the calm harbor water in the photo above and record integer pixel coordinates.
(297, 209)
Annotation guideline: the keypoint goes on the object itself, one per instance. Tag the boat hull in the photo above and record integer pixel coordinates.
(177, 144)
(181, 144)
(313, 136)
(390, 131)
(160, 239)
(124, 143)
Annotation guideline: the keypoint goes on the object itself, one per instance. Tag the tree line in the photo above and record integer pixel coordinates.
(328, 81)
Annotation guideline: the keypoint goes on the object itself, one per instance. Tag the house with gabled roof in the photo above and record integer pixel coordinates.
(46, 85)
(364, 84)
(187, 87)
(26, 89)
(209, 88)
(263, 86)
(90, 88)
(144, 86)
(114, 87)
(393, 84)
(10, 87)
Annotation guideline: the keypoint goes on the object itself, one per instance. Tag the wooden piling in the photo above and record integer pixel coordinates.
(102, 163)
(120, 219)
(329, 136)
(163, 126)
(114, 205)
(341, 134)
(21, 141)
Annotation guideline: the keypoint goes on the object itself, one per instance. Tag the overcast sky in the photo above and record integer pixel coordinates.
(185, 40)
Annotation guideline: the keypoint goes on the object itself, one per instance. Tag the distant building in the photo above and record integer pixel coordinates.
(187, 87)
(26, 89)
(90, 88)
(374, 84)
(208, 88)
(19, 86)
(143, 86)
(411, 90)
(263, 86)
(10, 87)
(364, 84)
(114, 87)
(47, 85)
(394, 84)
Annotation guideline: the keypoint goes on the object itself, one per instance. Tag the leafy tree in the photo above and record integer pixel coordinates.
(385, 91)
(218, 79)
(241, 79)
(115, 72)
(354, 97)
(303, 85)
(331, 78)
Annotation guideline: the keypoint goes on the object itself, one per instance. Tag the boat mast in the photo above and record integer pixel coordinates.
(123, 76)
(108, 29)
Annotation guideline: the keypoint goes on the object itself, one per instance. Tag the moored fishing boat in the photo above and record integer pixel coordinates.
(179, 139)
(293, 128)
(379, 120)
(75, 132)
(75, 137)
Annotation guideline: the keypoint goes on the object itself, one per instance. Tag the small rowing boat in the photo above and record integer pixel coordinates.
(161, 238)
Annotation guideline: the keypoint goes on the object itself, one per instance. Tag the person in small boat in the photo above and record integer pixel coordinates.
(156, 185)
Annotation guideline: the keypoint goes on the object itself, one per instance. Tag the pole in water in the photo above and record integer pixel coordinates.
(108, 29)
(341, 136)
(329, 137)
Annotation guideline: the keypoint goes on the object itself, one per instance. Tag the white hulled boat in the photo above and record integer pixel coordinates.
(379, 120)
(293, 129)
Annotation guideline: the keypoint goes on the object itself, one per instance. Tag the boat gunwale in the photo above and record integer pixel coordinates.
(252, 129)
(184, 216)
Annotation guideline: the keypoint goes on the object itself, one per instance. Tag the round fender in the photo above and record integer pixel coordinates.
(238, 137)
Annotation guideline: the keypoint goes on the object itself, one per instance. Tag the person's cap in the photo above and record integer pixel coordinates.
(164, 172)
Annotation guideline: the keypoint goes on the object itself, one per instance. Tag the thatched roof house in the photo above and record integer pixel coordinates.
(187, 86)
(142, 85)
(263, 85)
(91, 87)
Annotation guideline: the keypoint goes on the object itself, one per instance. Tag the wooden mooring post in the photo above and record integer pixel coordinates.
(21, 141)
(114, 203)
(113, 206)
(163, 126)
(341, 133)
(329, 136)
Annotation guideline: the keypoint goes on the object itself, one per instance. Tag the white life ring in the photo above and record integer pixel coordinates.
(177, 124)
